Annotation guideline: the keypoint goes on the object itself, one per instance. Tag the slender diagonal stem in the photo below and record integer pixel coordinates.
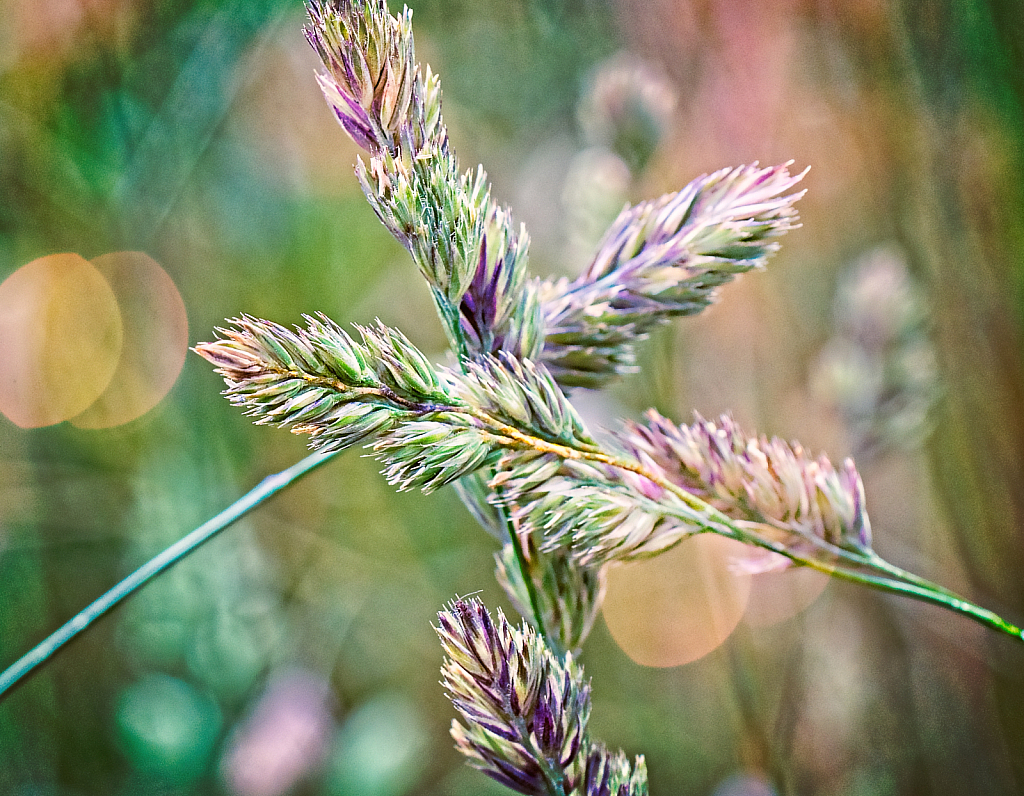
(46, 649)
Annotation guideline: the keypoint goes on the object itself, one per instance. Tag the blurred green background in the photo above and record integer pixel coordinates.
(294, 654)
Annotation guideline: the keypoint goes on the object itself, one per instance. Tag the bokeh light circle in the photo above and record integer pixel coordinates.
(155, 340)
(678, 606)
(778, 596)
(62, 338)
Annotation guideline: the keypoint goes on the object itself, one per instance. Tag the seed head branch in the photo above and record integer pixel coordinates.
(663, 259)
(618, 507)
(429, 425)
(467, 247)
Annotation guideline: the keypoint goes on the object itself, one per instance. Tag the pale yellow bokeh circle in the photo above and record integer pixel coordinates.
(155, 340)
(60, 339)
(678, 606)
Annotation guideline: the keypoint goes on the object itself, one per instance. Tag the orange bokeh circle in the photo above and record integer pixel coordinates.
(778, 596)
(678, 606)
(155, 340)
(98, 343)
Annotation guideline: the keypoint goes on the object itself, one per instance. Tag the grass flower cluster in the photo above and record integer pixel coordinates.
(497, 420)
(497, 423)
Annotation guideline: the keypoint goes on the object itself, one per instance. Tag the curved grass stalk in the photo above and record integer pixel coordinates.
(895, 580)
(16, 674)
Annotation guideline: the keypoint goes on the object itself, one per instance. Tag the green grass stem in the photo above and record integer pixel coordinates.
(17, 673)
